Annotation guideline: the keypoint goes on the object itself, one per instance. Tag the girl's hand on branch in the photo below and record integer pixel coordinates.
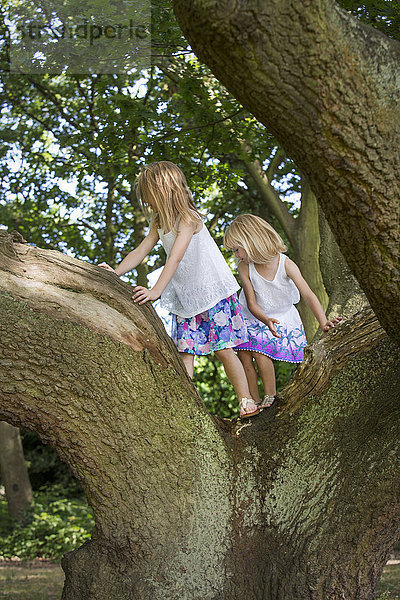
(331, 323)
(142, 295)
(107, 267)
(271, 326)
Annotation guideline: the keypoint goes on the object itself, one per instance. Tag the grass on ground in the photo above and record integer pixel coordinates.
(31, 580)
(389, 585)
(43, 580)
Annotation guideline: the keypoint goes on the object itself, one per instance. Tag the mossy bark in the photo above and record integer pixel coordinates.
(317, 477)
(298, 503)
(345, 295)
(327, 87)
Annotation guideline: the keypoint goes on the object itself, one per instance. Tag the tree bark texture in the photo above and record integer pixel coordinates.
(345, 295)
(327, 87)
(299, 503)
(14, 471)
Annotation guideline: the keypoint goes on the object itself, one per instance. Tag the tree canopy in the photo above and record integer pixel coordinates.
(306, 493)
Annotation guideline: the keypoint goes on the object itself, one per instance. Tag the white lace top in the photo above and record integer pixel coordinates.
(276, 297)
(202, 278)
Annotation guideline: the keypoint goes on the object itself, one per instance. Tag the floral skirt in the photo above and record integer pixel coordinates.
(219, 327)
(289, 347)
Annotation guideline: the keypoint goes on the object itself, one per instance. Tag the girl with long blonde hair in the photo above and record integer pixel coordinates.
(196, 285)
(272, 285)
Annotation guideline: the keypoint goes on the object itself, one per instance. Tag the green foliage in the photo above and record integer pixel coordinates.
(217, 391)
(53, 525)
(283, 372)
(73, 145)
(381, 14)
(45, 467)
(214, 387)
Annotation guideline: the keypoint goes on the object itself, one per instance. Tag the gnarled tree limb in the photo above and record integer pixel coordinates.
(307, 492)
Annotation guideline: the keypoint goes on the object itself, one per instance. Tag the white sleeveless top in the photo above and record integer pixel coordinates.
(276, 297)
(202, 278)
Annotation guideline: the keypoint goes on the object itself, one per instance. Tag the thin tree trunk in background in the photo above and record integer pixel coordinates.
(109, 231)
(306, 246)
(14, 471)
(138, 234)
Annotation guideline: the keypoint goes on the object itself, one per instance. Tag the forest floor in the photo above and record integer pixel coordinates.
(43, 580)
(38, 579)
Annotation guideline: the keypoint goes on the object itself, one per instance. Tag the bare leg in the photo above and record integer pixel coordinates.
(251, 375)
(235, 372)
(267, 373)
(188, 361)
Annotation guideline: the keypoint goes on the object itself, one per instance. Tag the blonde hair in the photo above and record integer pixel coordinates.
(162, 189)
(260, 241)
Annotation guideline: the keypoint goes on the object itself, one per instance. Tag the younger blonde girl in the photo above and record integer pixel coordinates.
(272, 285)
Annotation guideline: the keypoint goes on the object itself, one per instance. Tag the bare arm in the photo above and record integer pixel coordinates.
(185, 234)
(293, 271)
(251, 300)
(134, 258)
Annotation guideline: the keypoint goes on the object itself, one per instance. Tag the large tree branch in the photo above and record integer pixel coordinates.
(176, 493)
(98, 378)
(326, 86)
(325, 493)
(32, 274)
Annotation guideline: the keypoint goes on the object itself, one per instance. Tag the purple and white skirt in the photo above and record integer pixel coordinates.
(219, 327)
(289, 347)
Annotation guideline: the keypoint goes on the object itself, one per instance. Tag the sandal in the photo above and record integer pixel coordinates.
(248, 408)
(267, 401)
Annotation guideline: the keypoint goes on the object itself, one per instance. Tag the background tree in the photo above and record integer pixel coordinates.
(14, 472)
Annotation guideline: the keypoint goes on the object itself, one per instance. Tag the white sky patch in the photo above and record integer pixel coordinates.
(294, 198)
(139, 89)
(164, 315)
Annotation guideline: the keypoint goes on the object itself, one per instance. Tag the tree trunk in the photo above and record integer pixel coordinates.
(345, 295)
(14, 472)
(298, 503)
(109, 229)
(139, 224)
(306, 247)
(327, 87)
